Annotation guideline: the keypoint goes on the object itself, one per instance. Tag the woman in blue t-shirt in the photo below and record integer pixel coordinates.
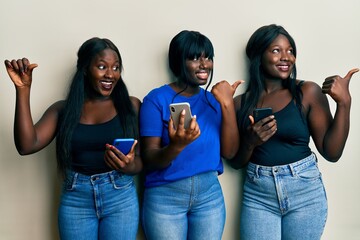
(183, 198)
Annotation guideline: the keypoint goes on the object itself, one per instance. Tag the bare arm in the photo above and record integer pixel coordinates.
(30, 138)
(329, 134)
(157, 157)
(224, 92)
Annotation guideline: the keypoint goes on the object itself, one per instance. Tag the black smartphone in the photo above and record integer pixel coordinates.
(124, 144)
(260, 113)
(175, 111)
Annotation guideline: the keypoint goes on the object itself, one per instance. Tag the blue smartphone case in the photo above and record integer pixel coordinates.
(124, 144)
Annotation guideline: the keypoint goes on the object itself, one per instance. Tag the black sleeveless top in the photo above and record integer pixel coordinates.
(290, 142)
(88, 145)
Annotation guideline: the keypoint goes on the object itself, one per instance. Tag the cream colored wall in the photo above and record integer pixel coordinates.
(50, 32)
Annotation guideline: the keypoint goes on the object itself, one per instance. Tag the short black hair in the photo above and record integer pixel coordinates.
(187, 45)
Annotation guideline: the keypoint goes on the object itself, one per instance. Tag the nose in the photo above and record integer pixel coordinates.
(109, 73)
(284, 56)
(203, 62)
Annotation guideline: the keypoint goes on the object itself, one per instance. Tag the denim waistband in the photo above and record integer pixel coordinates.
(96, 178)
(291, 168)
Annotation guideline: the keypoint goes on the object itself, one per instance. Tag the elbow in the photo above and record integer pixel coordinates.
(236, 162)
(23, 151)
(230, 152)
(229, 157)
(332, 157)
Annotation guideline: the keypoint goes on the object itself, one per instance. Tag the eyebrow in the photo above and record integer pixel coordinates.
(103, 60)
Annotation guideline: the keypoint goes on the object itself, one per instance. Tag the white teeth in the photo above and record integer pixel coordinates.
(284, 67)
(106, 83)
(204, 74)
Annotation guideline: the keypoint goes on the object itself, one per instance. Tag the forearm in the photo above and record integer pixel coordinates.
(160, 158)
(243, 156)
(229, 131)
(24, 131)
(336, 136)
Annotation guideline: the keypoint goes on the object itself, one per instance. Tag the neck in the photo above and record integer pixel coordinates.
(185, 89)
(273, 86)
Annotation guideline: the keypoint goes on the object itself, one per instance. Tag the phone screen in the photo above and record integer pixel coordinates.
(260, 113)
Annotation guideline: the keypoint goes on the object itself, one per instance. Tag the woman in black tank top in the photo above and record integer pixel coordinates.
(99, 199)
(284, 197)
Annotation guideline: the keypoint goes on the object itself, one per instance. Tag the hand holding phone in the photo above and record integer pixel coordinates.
(123, 144)
(260, 113)
(175, 111)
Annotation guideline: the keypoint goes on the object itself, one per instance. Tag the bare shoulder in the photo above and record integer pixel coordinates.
(310, 88)
(312, 93)
(135, 102)
(56, 107)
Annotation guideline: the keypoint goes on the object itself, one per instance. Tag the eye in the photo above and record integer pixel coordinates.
(291, 51)
(276, 50)
(101, 67)
(116, 68)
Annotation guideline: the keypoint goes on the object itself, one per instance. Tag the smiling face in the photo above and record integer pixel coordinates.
(199, 70)
(104, 73)
(278, 59)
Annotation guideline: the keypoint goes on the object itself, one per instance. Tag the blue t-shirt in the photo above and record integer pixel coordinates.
(203, 154)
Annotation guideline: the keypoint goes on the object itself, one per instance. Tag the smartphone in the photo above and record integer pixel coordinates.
(124, 144)
(175, 111)
(260, 113)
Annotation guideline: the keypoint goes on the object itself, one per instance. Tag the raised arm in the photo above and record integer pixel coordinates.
(329, 134)
(224, 92)
(29, 138)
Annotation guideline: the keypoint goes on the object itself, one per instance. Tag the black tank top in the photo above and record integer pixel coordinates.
(88, 145)
(290, 142)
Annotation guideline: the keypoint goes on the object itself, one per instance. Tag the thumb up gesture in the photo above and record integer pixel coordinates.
(338, 87)
(20, 71)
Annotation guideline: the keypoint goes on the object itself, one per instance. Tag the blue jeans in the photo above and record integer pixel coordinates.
(283, 202)
(102, 206)
(191, 208)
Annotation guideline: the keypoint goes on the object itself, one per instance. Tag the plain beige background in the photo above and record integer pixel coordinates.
(49, 33)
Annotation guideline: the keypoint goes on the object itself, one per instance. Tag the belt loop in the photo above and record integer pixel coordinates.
(257, 170)
(74, 180)
(316, 160)
(111, 175)
(293, 172)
